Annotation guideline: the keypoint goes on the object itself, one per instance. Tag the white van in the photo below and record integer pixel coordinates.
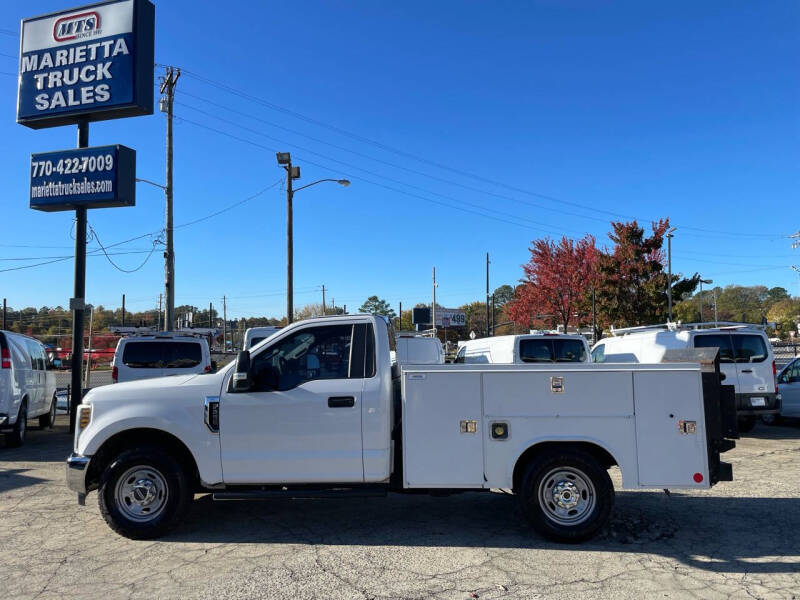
(542, 347)
(418, 350)
(27, 386)
(144, 357)
(254, 335)
(745, 356)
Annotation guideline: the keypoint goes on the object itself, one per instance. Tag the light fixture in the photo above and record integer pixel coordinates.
(284, 158)
(344, 182)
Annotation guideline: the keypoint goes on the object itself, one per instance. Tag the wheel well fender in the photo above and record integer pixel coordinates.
(132, 438)
(601, 454)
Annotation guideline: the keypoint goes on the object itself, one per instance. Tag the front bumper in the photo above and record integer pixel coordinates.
(77, 466)
(744, 405)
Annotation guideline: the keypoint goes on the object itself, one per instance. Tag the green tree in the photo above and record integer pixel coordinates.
(632, 284)
(377, 306)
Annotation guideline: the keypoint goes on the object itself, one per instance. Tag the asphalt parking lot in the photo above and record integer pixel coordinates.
(739, 540)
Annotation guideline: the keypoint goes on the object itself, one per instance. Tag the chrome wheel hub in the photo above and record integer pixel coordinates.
(141, 493)
(567, 496)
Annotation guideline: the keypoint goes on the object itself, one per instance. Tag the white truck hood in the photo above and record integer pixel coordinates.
(163, 387)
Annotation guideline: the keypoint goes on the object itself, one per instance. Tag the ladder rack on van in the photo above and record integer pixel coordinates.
(150, 332)
(674, 326)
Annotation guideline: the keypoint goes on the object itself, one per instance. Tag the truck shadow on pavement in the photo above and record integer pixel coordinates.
(722, 534)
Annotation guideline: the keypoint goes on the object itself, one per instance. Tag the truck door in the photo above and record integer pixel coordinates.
(752, 367)
(789, 385)
(301, 421)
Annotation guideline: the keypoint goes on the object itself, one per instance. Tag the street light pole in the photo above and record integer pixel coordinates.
(669, 273)
(702, 281)
(285, 160)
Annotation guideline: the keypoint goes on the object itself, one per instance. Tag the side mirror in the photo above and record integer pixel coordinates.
(213, 366)
(241, 381)
(722, 376)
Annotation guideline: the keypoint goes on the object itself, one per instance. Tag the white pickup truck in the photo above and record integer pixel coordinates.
(318, 410)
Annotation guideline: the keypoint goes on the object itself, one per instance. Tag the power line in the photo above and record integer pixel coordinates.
(115, 265)
(387, 187)
(231, 207)
(430, 162)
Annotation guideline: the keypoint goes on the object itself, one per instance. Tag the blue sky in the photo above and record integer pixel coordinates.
(465, 127)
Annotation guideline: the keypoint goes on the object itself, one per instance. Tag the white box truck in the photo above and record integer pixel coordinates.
(319, 410)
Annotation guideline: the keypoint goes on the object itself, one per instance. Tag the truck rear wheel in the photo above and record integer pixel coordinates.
(566, 495)
(144, 493)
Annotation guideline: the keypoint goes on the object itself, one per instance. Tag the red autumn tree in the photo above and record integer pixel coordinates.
(557, 283)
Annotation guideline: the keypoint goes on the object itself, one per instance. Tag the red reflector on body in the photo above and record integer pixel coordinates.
(698, 477)
(114, 374)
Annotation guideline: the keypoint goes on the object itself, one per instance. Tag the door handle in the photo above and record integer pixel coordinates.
(747, 370)
(341, 402)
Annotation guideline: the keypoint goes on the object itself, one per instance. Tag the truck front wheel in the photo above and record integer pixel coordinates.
(566, 495)
(143, 493)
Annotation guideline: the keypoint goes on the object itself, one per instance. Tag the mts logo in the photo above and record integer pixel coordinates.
(73, 26)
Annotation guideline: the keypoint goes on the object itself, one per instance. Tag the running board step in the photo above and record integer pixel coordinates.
(302, 494)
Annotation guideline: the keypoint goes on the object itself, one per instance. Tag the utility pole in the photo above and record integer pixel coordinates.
(292, 173)
(487, 294)
(323, 299)
(123, 311)
(594, 318)
(224, 324)
(433, 308)
(168, 90)
(210, 313)
(670, 234)
(400, 327)
(159, 312)
(5, 324)
(492, 314)
(78, 300)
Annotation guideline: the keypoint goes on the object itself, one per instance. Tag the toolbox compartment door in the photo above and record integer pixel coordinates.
(670, 429)
(440, 447)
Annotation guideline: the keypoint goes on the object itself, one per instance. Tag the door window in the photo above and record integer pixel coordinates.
(460, 354)
(792, 373)
(718, 340)
(599, 354)
(312, 353)
(749, 348)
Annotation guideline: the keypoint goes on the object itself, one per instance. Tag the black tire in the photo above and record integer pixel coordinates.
(16, 438)
(746, 423)
(586, 495)
(144, 493)
(46, 421)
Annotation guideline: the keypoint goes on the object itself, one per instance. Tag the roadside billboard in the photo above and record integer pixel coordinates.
(94, 62)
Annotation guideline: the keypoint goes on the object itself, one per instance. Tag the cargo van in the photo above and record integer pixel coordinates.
(148, 356)
(255, 335)
(746, 358)
(542, 347)
(27, 386)
(418, 350)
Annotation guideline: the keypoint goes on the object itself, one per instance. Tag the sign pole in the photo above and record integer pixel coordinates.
(78, 300)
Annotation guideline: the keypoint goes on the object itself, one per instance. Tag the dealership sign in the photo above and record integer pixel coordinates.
(450, 317)
(98, 177)
(93, 62)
